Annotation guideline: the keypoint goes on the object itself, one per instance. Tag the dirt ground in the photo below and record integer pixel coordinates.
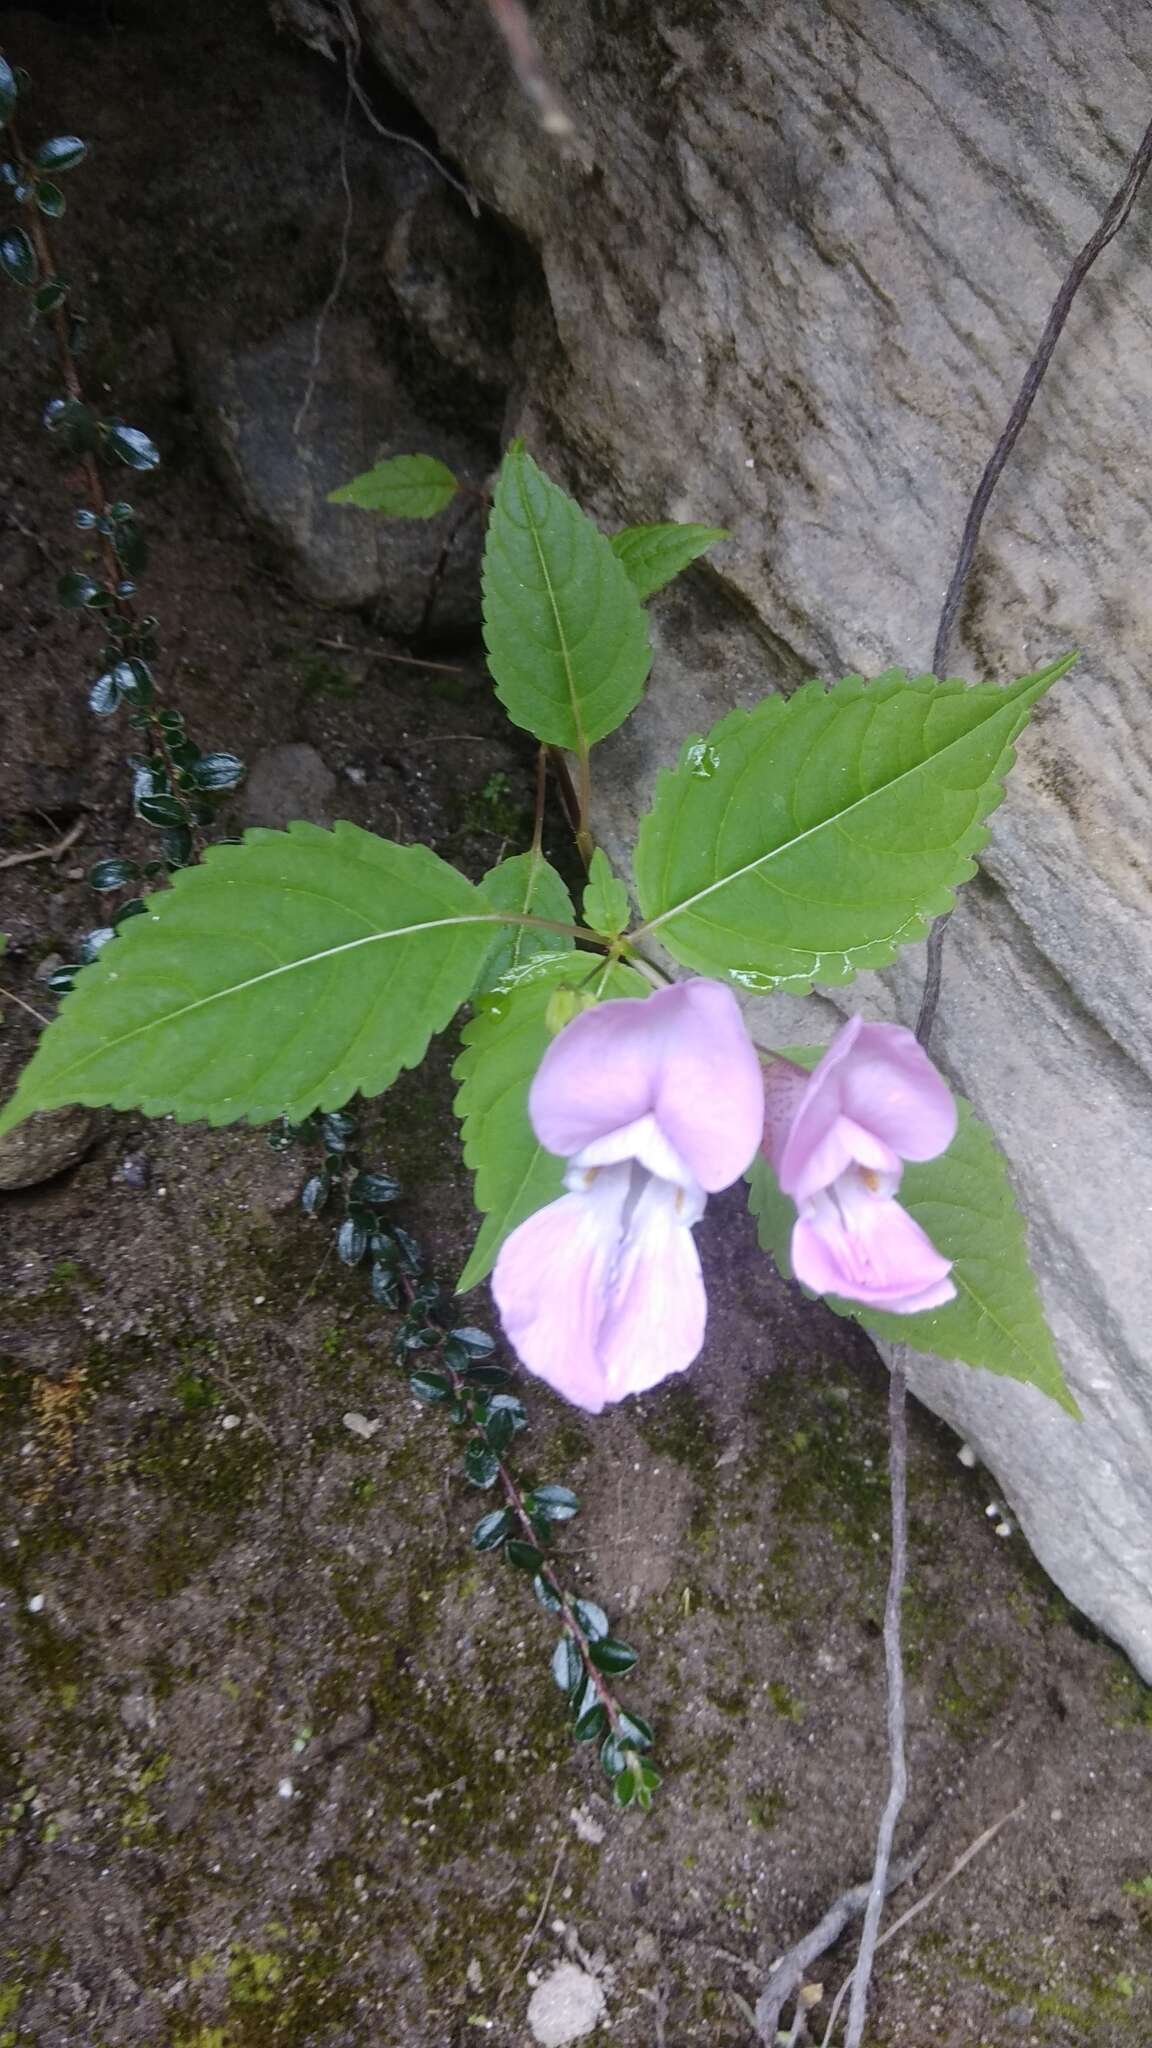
(281, 1763)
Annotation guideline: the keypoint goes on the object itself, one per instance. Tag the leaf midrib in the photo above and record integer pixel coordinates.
(788, 846)
(569, 677)
(237, 988)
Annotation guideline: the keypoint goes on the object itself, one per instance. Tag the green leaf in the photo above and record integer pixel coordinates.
(50, 296)
(503, 1046)
(964, 1202)
(555, 1503)
(567, 1664)
(481, 1465)
(605, 908)
(491, 1530)
(530, 886)
(8, 91)
(18, 257)
(611, 1656)
(62, 153)
(566, 634)
(50, 199)
(132, 446)
(278, 976)
(592, 1619)
(814, 835)
(653, 555)
(218, 771)
(113, 873)
(403, 487)
(524, 1556)
(430, 1387)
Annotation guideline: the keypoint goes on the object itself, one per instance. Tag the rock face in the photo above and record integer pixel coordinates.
(797, 260)
(289, 424)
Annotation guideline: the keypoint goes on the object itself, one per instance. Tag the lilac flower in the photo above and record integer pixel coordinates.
(655, 1104)
(837, 1139)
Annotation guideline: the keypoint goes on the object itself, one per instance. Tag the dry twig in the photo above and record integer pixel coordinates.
(75, 831)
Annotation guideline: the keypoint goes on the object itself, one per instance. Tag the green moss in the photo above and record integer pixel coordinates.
(824, 1454)
(786, 1704)
(977, 1683)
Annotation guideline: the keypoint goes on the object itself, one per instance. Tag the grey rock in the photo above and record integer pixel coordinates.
(289, 782)
(45, 1144)
(283, 456)
(796, 268)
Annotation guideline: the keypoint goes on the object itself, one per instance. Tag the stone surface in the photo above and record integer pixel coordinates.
(46, 1144)
(292, 781)
(283, 456)
(796, 264)
(566, 2006)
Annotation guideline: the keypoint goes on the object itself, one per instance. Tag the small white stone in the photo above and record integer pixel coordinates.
(966, 1455)
(1003, 1528)
(285, 1789)
(258, 1300)
(589, 1830)
(230, 1421)
(36, 1604)
(566, 2005)
(359, 1424)
(993, 1511)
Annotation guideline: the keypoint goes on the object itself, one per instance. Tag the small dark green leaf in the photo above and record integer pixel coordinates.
(8, 91)
(489, 1378)
(614, 1755)
(338, 1128)
(592, 1619)
(505, 1418)
(524, 1556)
(430, 1387)
(611, 1656)
(135, 907)
(61, 980)
(161, 810)
(546, 1594)
(555, 1503)
(374, 1189)
(62, 153)
(477, 1343)
(411, 1256)
(219, 771)
(491, 1530)
(132, 446)
(591, 1720)
(177, 846)
(481, 1465)
(50, 199)
(567, 1664)
(635, 1729)
(50, 296)
(77, 589)
(17, 257)
(112, 874)
(385, 1286)
(134, 679)
(131, 548)
(93, 943)
(624, 1788)
(351, 1242)
(104, 698)
(314, 1193)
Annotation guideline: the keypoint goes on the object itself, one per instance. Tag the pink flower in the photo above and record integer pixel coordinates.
(655, 1104)
(837, 1139)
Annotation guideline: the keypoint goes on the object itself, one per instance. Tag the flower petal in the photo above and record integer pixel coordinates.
(681, 1055)
(869, 1250)
(658, 1309)
(551, 1281)
(874, 1081)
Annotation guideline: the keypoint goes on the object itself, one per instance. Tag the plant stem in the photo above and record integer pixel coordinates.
(90, 470)
(894, 1668)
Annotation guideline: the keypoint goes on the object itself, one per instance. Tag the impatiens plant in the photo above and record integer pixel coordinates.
(609, 1080)
(798, 841)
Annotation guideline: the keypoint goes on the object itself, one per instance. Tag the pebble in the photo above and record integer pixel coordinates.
(566, 2005)
(359, 1424)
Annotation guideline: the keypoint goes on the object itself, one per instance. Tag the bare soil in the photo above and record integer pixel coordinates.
(281, 1763)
